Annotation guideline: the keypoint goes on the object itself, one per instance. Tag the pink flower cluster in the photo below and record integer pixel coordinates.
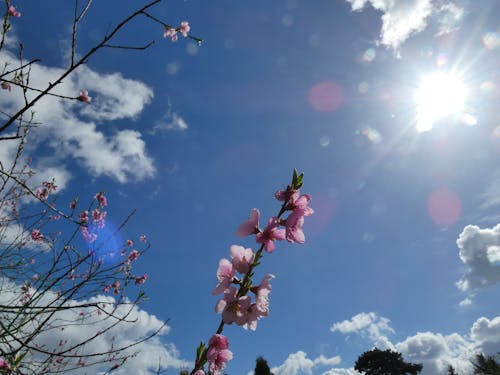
(98, 218)
(237, 308)
(13, 12)
(171, 32)
(36, 235)
(293, 201)
(115, 286)
(218, 354)
(43, 192)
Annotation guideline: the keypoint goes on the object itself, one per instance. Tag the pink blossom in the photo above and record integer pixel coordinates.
(42, 193)
(13, 12)
(103, 202)
(84, 97)
(4, 364)
(6, 86)
(84, 216)
(294, 232)
(116, 287)
(262, 292)
(242, 258)
(284, 195)
(251, 226)
(50, 185)
(130, 243)
(225, 274)
(88, 236)
(218, 342)
(184, 28)
(199, 372)
(36, 235)
(141, 280)
(99, 218)
(253, 316)
(218, 354)
(72, 204)
(143, 238)
(301, 203)
(271, 233)
(170, 33)
(134, 254)
(234, 309)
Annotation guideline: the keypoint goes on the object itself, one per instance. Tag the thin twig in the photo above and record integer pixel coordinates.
(130, 47)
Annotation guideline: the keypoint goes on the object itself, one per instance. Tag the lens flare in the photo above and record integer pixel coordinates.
(444, 206)
(326, 96)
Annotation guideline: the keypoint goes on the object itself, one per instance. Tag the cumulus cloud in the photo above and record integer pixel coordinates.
(298, 363)
(403, 18)
(366, 324)
(479, 251)
(79, 324)
(486, 334)
(74, 130)
(435, 351)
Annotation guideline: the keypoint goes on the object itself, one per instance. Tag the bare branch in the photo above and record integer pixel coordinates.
(130, 47)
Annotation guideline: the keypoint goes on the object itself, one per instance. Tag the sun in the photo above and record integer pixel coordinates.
(439, 96)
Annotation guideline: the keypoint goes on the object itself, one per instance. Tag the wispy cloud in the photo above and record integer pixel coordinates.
(403, 18)
(171, 121)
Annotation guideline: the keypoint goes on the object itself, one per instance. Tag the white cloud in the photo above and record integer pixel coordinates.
(478, 251)
(369, 324)
(324, 361)
(435, 351)
(140, 324)
(341, 371)
(69, 127)
(465, 302)
(298, 363)
(171, 121)
(403, 18)
(486, 334)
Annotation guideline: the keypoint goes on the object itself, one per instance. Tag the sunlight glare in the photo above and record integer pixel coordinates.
(439, 95)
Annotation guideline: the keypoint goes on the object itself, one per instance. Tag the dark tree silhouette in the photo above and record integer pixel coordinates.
(451, 370)
(261, 367)
(486, 365)
(387, 362)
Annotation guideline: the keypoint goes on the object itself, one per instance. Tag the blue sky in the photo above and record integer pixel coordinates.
(193, 137)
